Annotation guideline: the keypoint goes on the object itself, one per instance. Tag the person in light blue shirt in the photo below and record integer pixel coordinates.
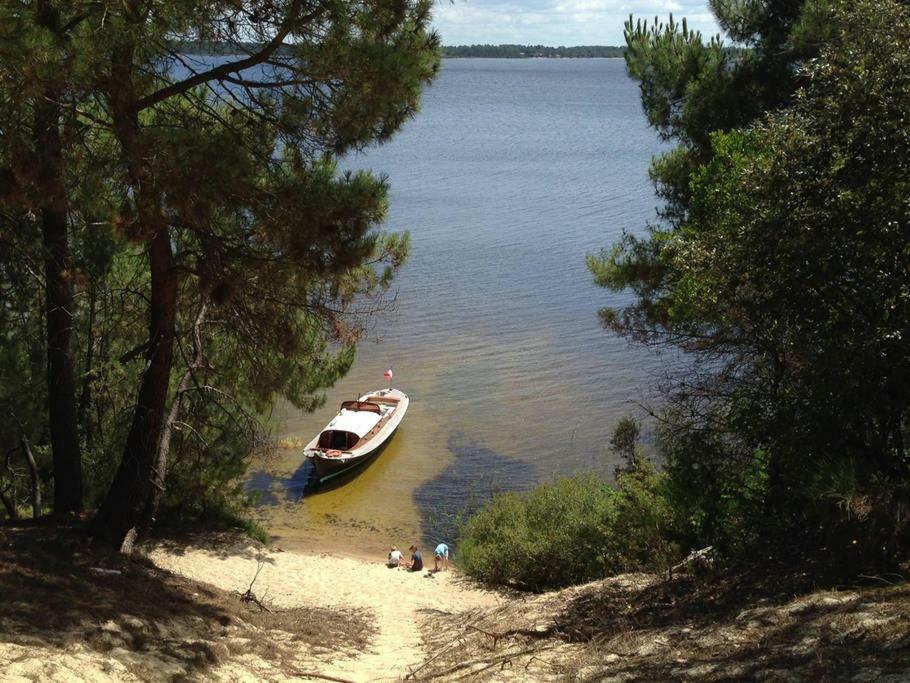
(441, 554)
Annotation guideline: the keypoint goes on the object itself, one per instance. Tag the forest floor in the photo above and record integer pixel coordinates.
(74, 613)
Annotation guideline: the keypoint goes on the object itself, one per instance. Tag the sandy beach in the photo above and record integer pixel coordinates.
(176, 612)
(399, 602)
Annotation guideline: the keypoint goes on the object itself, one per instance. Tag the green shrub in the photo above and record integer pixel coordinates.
(571, 531)
(645, 528)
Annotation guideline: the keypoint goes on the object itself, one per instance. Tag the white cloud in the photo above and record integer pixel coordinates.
(557, 22)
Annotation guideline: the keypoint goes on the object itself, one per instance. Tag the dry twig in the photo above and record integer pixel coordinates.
(438, 654)
(249, 595)
(321, 677)
(487, 663)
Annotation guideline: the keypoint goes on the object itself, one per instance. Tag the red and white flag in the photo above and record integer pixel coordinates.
(388, 374)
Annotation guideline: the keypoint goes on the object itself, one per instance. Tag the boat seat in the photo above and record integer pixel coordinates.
(388, 400)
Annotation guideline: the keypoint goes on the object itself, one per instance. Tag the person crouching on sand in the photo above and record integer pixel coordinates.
(416, 563)
(441, 554)
(395, 557)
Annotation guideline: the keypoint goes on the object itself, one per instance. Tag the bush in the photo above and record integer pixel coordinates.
(571, 531)
(646, 527)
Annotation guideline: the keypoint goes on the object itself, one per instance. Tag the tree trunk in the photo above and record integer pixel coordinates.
(61, 387)
(164, 443)
(10, 504)
(85, 400)
(122, 513)
(33, 472)
(8, 495)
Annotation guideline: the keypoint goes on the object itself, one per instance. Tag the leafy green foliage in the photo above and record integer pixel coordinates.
(645, 529)
(624, 442)
(576, 529)
(689, 89)
(23, 391)
(822, 306)
(786, 274)
(238, 167)
(553, 536)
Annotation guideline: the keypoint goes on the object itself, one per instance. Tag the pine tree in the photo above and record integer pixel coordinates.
(263, 260)
(283, 233)
(782, 269)
(37, 50)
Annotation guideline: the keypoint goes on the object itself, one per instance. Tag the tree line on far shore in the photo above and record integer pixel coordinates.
(507, 51)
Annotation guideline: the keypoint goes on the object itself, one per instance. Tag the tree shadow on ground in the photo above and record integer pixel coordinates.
(738, 628)
(221, 544)
(59, 592)
(640, 627)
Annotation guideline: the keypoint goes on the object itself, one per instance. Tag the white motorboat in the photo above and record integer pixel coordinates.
(357, 433)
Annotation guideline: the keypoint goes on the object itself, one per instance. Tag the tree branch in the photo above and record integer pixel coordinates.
(224, 70)
(267, 84)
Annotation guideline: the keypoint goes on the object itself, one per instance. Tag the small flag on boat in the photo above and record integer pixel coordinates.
(388, 374)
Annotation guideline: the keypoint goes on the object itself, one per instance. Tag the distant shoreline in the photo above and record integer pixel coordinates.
(534, 51)
(505, 51)
(445, 57)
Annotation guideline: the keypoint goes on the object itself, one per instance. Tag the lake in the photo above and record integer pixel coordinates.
(513, 172)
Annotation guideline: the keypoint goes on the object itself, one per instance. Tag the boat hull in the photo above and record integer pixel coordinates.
(331, 463)
(329, 468)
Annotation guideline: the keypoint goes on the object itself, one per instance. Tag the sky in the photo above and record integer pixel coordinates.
(556, 22)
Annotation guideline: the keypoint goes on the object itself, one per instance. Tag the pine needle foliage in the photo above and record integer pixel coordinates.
(781, 266)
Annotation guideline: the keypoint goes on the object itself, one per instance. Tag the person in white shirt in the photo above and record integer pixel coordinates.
(395, 557)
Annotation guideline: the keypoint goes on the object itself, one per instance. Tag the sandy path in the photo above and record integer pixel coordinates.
(398, 600)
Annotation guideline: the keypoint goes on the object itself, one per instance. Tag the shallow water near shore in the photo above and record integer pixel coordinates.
(513, 171)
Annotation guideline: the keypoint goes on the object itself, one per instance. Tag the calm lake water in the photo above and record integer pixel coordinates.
(513, 171)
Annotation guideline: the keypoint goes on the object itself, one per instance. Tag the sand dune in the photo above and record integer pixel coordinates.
(75, 613)
(399, 601)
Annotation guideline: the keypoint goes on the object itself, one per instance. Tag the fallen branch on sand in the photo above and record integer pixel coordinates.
(495, 636)
(542, 661)
(485, 664)
(900, 579)
(321, 677)
(435, 656)
(512, 633)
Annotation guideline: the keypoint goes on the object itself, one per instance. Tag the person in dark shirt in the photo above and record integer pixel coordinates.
(416, 563)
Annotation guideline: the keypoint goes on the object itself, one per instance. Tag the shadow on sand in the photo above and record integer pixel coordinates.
(61, 594)
(744, 627)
